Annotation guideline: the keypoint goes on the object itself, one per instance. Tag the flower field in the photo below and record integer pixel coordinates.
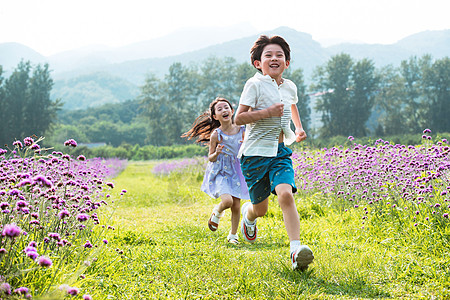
(376, 217)
(48, 205)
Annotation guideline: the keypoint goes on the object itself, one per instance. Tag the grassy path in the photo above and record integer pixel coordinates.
(169, 252)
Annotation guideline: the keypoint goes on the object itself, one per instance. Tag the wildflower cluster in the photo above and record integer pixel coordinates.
(48, 209)
(180, 166)
(384, 179)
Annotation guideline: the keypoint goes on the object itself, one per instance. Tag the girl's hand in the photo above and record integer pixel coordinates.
(219, 148)
(300, 135)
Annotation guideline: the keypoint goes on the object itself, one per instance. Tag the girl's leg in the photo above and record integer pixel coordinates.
(290, 214)
(225, 203)
(235, 214)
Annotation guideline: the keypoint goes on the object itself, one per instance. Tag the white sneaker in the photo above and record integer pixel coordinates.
(249, 232)
(301, 258)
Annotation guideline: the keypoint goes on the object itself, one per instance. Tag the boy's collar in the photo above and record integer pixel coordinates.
(267, 78)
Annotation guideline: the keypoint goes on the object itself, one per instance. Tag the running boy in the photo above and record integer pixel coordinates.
(267, 103)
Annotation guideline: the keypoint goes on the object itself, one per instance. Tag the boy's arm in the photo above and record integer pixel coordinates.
(299, 132)
(245, 116)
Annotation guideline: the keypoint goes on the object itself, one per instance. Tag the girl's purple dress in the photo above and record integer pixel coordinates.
(224, 176)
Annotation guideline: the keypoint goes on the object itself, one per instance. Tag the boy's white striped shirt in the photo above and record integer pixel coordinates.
(261, 137)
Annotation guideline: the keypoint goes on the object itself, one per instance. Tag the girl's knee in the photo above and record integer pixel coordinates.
(236, 204)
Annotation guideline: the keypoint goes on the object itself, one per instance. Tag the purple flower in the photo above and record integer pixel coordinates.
(110, 184)
(82, 217)
(2, 250)
(427, 131)
(105, 241)
(70, 142)
(445, 215)
(11, 230)
(24, 182)
(87, 297)
(88, 245)
(64, 213)
(73, 291)
(32, 254)
(22, 290)
(4, 205)
(350, 138)
(5, 288)
(28, 141)
(18, 144)
(3, 151)
(41, 180)
(81, 157)
(14, 192)
(44, 261)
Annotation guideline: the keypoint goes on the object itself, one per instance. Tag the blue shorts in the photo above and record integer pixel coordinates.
(263, 174)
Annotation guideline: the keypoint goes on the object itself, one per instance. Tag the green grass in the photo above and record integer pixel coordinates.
(161, 248)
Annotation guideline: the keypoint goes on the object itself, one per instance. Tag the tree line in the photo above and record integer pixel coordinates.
(352, 97)
(26, 107)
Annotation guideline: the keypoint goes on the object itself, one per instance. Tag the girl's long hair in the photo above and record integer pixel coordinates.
(205, 124)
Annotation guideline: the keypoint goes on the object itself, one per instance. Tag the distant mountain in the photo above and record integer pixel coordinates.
(92, 90)
(12, 53)
(306, 54)
(178, 42)
(435, 43)
(94, 68)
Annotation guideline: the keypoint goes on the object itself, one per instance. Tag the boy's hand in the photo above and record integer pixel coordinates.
(300, 135)
(276, 110)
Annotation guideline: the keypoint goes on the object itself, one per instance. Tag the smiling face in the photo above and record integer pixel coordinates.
(223, 112)
(273, 62)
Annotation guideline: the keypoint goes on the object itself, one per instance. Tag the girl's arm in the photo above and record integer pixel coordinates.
(299, 132)
(244, 115)
(215, 148)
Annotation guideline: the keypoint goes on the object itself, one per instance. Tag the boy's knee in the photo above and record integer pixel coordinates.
(259, 211)
(285, 197)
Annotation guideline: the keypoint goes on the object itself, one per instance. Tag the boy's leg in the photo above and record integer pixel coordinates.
(257, 210)
(290, 214)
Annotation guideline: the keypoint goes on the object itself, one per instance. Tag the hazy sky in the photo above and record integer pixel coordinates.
(51, 26)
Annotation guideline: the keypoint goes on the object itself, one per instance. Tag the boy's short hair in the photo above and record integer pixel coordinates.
(263, 41)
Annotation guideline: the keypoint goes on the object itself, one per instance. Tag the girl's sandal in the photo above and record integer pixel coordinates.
(213, 222)
(233, 238)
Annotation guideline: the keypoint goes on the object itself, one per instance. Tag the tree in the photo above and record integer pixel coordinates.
(412, 71)
(154, 108)
(16, 89)
(348, 91)
(436, 81)
(389, 102)
(333, 79)
(39, 110)
(362, 96)
(182, 102)
(303, 98)
(3, 108)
